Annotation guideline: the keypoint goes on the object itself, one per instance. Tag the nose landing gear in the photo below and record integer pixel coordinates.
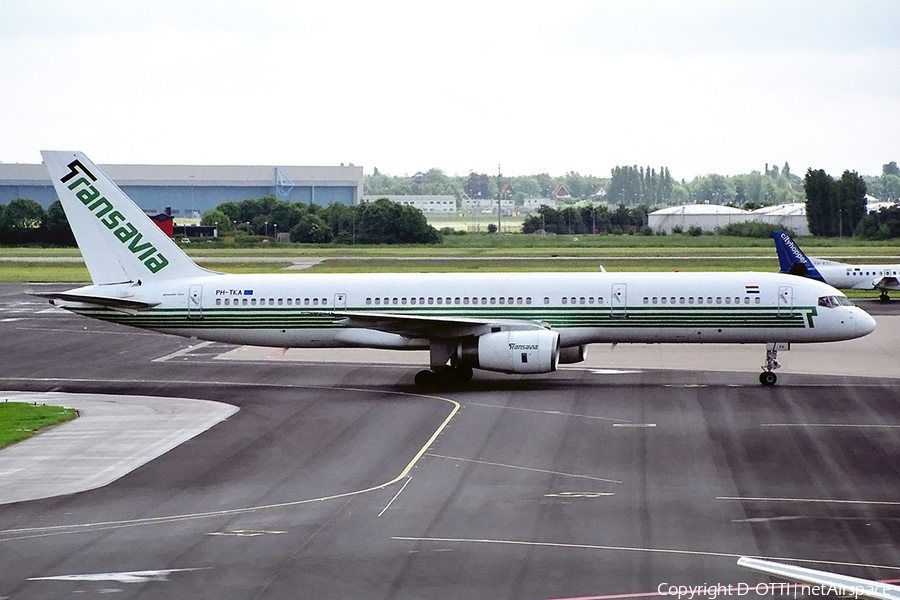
(767, 377)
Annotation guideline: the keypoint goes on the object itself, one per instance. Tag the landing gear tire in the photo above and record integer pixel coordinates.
(426, 379)
(463, 374)
(768, 378)
(884, 297)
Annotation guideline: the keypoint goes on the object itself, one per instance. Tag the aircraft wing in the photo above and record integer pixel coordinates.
(123, 304)
(428, 326)
(825, 581)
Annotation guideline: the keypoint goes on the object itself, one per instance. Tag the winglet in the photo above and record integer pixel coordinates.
(791, 258)
(118, 241)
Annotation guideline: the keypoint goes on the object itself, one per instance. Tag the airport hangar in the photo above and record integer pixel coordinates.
(191, 190)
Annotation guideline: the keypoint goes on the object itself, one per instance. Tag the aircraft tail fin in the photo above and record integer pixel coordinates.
(791, 258)
(118, 241)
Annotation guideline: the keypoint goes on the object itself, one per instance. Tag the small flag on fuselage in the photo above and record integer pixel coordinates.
(248, 292)
(752, 289)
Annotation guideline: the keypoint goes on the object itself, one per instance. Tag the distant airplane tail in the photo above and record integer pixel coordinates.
(792, 259)
(120, 243)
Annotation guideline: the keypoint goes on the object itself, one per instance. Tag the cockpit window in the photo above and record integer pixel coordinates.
(834, 301)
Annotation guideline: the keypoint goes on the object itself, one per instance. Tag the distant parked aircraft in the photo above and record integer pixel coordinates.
(840, 275)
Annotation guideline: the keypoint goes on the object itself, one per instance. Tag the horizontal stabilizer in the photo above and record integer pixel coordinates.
(104, 301)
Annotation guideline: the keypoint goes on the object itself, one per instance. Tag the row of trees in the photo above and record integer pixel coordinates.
(629, 185)
(379, 222)
(24, 221)
(572, 220)
(834, 207)
(636, 186)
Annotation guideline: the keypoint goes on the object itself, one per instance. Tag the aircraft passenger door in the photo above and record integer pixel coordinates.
(618, 307)
(195, 302)
(785, 301)
(340, 301)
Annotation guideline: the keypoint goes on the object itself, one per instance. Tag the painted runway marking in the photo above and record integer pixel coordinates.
(246, 533)
(563, 545)
(123, 577)
(547, 412)
(183, 351)
(493, 464)
(819, 500)
(637, 425)
(405, 483)
(847, 425)
(579, 494)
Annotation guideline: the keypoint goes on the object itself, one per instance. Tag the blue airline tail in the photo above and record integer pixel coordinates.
(791, 258)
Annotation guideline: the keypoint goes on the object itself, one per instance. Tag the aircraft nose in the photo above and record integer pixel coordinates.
(865, 324)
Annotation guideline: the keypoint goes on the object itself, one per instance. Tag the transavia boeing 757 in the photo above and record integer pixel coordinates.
(508, 322)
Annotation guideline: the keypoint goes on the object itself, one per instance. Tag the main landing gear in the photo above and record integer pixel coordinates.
(443, 376)
(767, 377)
(884, 296)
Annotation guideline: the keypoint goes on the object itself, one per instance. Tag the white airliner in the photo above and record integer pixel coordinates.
(840, 275)
(505, 322)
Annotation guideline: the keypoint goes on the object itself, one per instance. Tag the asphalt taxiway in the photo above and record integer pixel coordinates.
(338, 479)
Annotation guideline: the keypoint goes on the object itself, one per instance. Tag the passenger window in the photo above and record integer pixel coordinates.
(244, 302)
(546, 300)
(315, 301)
(218, 302)
(518, 301)
(564, 299)
(681, 300)
(581, 300)
(646, 300)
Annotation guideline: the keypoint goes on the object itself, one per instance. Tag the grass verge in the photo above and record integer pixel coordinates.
(21, 420)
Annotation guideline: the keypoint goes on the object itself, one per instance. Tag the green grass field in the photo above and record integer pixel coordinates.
(474, 253)
(21, 420)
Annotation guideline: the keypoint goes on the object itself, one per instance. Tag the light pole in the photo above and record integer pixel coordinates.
(266, 230)
(276, 230)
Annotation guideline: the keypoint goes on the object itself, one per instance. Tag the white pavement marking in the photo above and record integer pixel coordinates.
(546, 412)
(405, 483)
(820, 500)
(112, 436)
(493, 464)
(122, 577)
(182, 352)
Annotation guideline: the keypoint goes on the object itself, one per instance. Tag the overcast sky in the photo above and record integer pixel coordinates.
(699, 86)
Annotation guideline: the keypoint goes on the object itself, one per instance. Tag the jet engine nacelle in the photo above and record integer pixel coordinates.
(534, 351)
(572, 354)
